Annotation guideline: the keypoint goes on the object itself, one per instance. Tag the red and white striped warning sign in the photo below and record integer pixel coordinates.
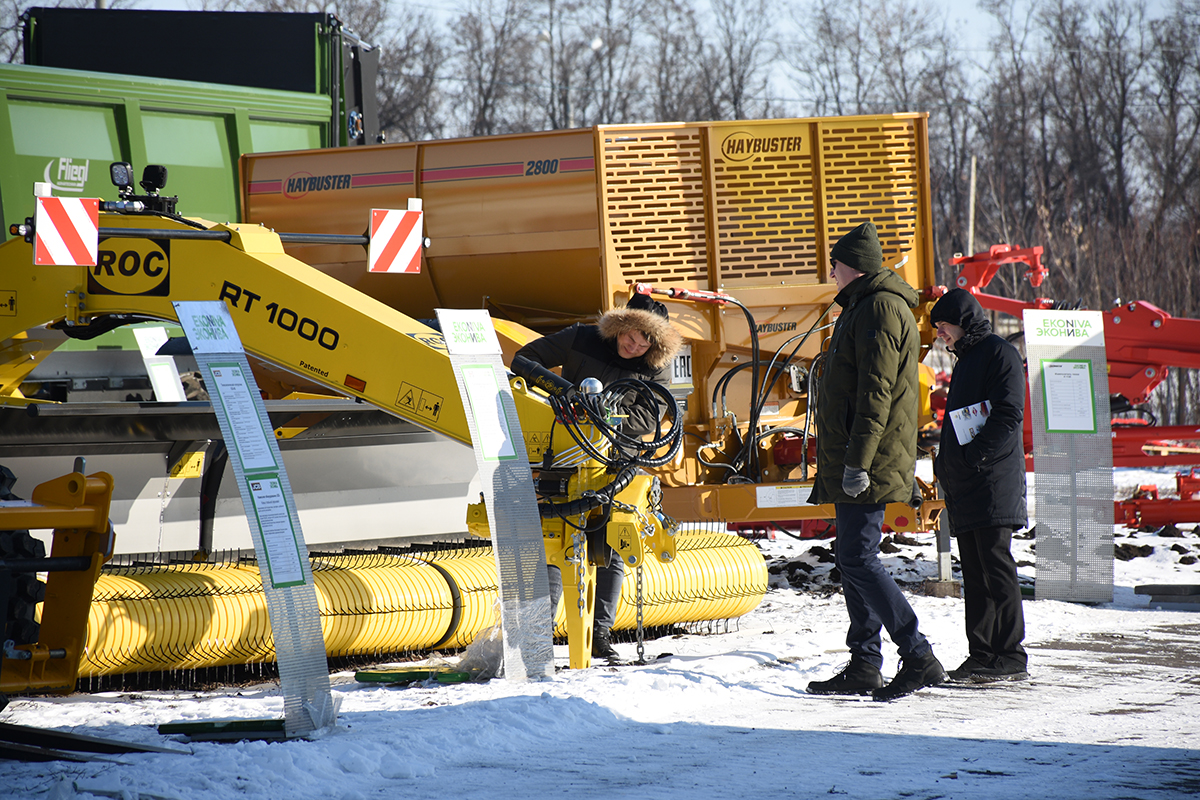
(396, 238)
(67, 231)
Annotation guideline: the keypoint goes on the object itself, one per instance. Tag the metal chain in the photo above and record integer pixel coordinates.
(578, 542)
(645, 524)
(641, 640)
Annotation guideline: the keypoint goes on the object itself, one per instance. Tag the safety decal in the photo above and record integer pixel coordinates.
(396, 238)
(415, 401)
(8, 304)
(67, 231)
(538, 441)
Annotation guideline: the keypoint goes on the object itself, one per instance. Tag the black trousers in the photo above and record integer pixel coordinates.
(873, 600)
(992, 594)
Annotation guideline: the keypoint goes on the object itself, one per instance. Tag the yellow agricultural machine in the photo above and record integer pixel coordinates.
(729, 223)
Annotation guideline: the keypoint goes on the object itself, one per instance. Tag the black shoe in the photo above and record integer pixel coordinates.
(857, 677)
(915, 673)
(602, 645)
(966, 669)
(1000, 671)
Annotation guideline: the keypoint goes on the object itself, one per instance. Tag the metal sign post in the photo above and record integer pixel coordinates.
(274, 524)
(1072, 455)
(525, 613)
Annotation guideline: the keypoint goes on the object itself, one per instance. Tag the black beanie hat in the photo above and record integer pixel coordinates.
(646, 303)
(859, 249)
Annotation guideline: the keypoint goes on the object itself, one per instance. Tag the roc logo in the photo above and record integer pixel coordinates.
(433, 340)
(132, 267)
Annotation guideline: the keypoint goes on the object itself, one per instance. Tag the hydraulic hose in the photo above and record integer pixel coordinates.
(591, 500)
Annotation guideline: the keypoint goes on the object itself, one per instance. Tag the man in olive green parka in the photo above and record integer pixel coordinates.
(866, 455)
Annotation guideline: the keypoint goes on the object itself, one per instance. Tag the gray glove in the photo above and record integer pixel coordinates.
(855, 481)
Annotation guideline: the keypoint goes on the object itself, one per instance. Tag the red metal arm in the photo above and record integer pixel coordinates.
(978, 270)
(1141, 342)
(699, 295)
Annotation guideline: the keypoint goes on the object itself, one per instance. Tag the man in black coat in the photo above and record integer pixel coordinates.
(981, 468)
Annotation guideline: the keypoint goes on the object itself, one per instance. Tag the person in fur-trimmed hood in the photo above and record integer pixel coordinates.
(636, 341)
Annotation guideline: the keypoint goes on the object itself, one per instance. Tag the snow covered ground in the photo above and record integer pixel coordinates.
(1112, 711)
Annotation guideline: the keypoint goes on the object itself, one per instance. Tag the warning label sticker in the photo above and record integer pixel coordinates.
(537, 441)
(8, 304)
(414, 401)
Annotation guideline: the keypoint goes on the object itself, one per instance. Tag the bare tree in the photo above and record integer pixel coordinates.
(366, 18)
(410, 90)
(833, 63)
(1014, 175)
(674, 48)
(493, 45)
(946, 93)
(10, 31)
(735, 60)
(1169, 122)
(611, 86)
(907, 44)
(11, 25)
(570, 59)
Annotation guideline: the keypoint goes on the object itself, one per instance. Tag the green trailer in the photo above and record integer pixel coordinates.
(64, 127)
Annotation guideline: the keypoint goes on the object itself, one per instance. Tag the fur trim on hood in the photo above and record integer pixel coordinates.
(665, 340)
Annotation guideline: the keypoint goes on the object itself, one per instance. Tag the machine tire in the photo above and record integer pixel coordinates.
(25, 591)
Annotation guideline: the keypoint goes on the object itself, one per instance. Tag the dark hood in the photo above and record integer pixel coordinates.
(959, 307)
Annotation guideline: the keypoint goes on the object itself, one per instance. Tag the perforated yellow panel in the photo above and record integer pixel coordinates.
(764, 210)
(782, 191)
(654, 202)
(871, 169)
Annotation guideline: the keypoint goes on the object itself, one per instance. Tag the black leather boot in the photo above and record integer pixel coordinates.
(602, 645)
(857, 677)
(915, 673)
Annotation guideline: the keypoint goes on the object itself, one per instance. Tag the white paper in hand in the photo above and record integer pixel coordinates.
(967, 421)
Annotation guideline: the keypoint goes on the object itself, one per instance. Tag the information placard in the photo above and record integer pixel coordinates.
(251, 444)
(1070, 404)
(506, 481)
(271, 512)
(1072, 454)
(496, 437)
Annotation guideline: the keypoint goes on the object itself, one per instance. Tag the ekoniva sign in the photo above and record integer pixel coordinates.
(1064, 328)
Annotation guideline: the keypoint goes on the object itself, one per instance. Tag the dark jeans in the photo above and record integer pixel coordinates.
(992, 595)
(608, 591)
(873, 599)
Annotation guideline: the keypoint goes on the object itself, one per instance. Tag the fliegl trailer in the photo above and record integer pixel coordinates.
(730, 223)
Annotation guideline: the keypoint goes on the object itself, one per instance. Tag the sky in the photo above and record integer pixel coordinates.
(1110, 712)
(970, 26)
